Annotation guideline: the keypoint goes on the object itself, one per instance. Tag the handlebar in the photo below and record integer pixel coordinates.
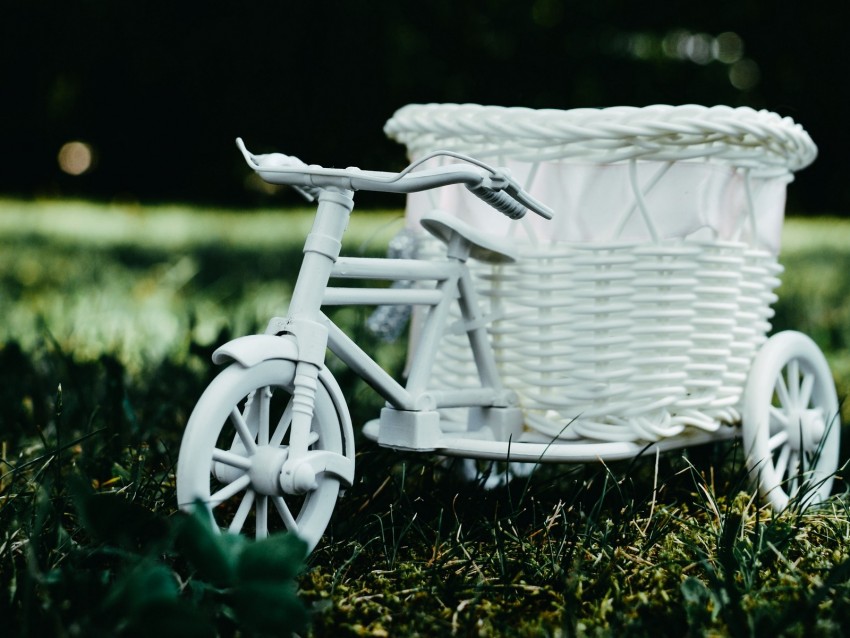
(491, 185)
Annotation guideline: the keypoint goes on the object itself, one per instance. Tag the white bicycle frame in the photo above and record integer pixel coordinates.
(453, 281)
(412, 419)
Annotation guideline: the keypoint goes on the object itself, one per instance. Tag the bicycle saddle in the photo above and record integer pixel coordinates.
(482, 246)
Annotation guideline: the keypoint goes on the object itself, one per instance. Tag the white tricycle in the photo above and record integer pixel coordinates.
(538, 376)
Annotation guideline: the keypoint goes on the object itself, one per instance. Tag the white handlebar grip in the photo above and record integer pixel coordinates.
(499, 200)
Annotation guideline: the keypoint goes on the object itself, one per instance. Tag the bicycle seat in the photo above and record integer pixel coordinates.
(482, 246)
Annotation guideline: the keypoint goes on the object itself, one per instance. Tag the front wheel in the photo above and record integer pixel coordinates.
(791, 421)
(237, 438)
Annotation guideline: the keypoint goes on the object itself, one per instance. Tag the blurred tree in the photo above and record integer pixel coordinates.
(158, 90)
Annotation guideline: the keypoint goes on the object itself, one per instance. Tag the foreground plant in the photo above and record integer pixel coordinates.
(89, 541)
(116, 569)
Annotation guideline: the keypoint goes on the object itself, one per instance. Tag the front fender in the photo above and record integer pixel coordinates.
(253, 349)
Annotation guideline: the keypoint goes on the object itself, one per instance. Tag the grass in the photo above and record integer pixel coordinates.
(110, 316)
(143, 281)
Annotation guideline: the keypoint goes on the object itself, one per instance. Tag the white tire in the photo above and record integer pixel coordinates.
(791, 423)
(235, 441)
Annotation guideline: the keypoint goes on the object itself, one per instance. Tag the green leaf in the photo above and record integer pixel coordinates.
(270, 607)
(276, 558)
(147, 583)
(212, 555)
(265, 597)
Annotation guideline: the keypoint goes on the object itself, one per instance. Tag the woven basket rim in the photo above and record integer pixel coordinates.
(740, 136)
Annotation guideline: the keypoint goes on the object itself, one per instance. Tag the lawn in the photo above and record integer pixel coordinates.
(110, 315)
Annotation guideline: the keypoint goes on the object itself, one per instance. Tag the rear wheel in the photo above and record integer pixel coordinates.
(791, 421)
(234, 447)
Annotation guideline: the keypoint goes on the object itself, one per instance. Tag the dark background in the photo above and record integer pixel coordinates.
(160, 89)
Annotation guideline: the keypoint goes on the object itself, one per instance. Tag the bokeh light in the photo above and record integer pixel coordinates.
(744, 74)
(642, 46)
(696, 47)
(76, 158)
(702, 48)
(728, 47)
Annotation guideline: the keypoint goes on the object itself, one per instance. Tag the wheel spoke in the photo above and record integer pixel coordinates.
(230, 490)
(242, 429)
(782, 462)
(794, 381)
(777, 439)
(263, 414)
(782, 392)
(806, 389)
(283, 509)
(282, 426)
(779, 417)
(262, 517)
(242, 513)
(231, 459)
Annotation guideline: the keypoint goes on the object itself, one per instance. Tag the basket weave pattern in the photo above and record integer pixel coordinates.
(622, 343)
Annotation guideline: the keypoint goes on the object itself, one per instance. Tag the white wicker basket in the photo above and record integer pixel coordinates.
(637, 312)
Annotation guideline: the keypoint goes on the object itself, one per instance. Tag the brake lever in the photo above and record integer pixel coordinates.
(524, 197)
(501, 180)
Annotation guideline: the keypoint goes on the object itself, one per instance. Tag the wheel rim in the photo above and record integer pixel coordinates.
(235, 444)
(790, 423)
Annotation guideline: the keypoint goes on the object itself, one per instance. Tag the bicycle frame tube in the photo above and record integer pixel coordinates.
(367, 369)
(446, 274)
(389, 270)
(321, 251)
(453, 280)
(482, 350)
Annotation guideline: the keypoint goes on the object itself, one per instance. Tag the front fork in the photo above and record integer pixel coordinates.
(299, 470)
(298, 474)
